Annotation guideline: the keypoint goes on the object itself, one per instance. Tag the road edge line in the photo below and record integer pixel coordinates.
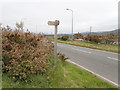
(68, 60)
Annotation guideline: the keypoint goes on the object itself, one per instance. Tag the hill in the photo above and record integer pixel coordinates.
(104, 32)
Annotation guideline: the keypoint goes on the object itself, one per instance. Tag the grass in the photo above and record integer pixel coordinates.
(105, 47)
(62, 75)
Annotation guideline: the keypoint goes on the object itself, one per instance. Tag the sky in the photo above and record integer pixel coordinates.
(102, 15)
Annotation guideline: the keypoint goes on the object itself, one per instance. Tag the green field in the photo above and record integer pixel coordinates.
(62, 75)
(105, 47)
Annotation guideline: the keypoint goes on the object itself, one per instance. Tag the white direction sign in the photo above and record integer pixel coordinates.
(56, 22)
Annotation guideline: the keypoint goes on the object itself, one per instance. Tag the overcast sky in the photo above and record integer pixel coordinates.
(102, 15)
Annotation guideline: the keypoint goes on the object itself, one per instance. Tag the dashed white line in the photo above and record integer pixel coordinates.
(113, 58)
(81, 50)
(93, 72)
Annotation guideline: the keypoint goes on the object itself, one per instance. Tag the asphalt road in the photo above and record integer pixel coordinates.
(100, 62)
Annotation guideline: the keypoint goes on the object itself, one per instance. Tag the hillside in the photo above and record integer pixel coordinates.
(104, 32)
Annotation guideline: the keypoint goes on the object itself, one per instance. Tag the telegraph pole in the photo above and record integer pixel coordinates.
(90, 29)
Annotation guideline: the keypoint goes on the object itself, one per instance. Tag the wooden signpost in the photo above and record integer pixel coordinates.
(55, 23)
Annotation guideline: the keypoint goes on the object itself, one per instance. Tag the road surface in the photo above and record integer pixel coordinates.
(100, 62)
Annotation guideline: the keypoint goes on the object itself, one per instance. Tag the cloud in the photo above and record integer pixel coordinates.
(101, 14)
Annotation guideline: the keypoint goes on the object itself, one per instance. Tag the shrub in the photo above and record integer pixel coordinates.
(24, 53)
(64, 38)
(62, 56)
(78, 36)
(106, 38)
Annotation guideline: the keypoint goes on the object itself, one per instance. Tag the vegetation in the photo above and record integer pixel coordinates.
(99, 38)
(20, 26)
(62, 56)
(107, 38)
(64, 38)
(21, 56)
(104, 42)
(105, 47)
(78, 36)
(62, 75)
(27, 62)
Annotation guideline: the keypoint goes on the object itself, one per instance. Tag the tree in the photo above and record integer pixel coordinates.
(20, 25)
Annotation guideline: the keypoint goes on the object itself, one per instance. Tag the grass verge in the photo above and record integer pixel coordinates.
(105, 47)
(62, 75)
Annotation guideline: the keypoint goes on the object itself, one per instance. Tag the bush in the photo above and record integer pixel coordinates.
(78, 36)
(24, 53)
(106, 38)
(64, 38)
(62, 56)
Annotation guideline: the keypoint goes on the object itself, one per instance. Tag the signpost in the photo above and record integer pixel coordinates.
(55, 23)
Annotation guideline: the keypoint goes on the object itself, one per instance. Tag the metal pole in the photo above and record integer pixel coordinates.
(72, 21)
(72, 24)
(55, 45)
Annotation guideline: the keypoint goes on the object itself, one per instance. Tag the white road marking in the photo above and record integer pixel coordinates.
(81, 50)
(113, 58)
(93, 72)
